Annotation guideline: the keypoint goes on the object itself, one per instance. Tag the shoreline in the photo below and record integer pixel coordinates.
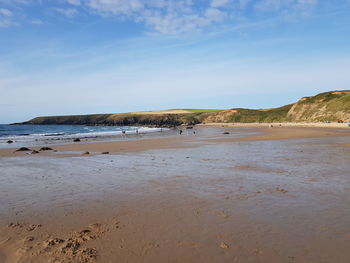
(254, 133)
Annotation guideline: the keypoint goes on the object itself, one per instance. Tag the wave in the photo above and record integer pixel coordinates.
(27, 137)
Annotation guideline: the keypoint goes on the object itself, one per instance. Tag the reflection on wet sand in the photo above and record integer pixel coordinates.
(204, 198)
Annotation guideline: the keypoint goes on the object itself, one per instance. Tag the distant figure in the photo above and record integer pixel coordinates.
(180, 132)
(137, 131)
(194, 132)
(123, 134)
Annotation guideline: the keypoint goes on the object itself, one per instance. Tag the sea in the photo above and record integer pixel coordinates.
(53, 134)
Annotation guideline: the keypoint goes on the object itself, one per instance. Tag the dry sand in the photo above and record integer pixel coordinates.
(277, 195)
(282, 124)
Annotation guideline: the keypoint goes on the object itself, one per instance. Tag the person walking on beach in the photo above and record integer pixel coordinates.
(180, 132)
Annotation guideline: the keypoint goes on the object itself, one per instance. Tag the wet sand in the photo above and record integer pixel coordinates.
(277, 195)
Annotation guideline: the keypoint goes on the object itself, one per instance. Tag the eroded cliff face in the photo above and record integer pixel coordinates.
(329, 106)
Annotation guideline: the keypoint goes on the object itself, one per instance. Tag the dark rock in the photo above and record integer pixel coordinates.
(76, 140)
(105, 152)
(226, 133)
(23, 149)
(86, 153)
(45, 149)
(34, 152)
(9, 141)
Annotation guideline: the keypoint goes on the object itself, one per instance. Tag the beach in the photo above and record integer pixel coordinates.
(216, 193)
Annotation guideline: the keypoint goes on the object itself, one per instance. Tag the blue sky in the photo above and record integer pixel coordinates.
(104, 56)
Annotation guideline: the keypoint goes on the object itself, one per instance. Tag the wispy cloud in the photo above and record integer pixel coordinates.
(6, 18)
(286, 7)
(176, 17)
(183, 16)
(5, 12)
(68, 12)
(37, 22)
(74, 2)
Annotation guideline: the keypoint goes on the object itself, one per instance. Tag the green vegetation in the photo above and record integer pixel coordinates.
(328, 106)
(271, 115)
(161, 120)
(201, 110)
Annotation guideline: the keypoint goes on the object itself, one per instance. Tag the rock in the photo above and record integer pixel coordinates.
(284, 191)
(86, 153)
(76, 140)
(105, 152)
(23, 149)
(45, 149)
(34, 152)
(226, 133)
(224, 245)
(9, 141)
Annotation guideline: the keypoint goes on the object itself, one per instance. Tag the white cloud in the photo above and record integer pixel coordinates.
(163, 16)
(183, 16)
(280, 5)
(219, 3)
(13, 2)
(37, 22)
(243, 3)
(68, 12)
(214, 14)
(6, 18)
(117, 7)
(5, 12)
(6, 23)
(176, 17)
(74, 2)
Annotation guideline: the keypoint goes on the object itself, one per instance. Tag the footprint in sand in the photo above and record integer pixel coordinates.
(224, 215)
(70, 249)
(28, 239)
(28, 227)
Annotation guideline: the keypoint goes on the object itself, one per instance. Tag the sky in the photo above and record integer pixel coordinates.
(65, 57)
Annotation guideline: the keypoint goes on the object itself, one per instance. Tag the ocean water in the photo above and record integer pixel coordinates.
(38, 134)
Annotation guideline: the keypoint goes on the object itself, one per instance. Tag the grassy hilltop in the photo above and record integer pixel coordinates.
(152, 118)
(328, 106)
